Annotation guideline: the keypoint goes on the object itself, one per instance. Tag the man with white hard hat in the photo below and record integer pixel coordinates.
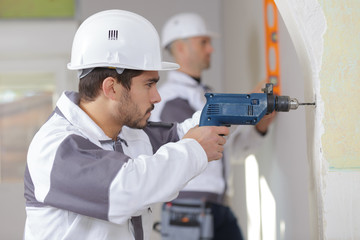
(188, 39)
(97, 166)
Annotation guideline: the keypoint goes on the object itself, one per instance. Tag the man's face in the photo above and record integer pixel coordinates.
(200, 50)
(136, 104)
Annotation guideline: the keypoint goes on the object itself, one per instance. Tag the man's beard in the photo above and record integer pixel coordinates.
(129, 114)
(133, 122)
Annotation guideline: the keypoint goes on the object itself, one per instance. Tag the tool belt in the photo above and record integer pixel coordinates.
(189, 219)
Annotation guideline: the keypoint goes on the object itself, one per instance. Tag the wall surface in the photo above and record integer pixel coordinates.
(341, 139)
(339, 85)
(306, 25)
(326, 36)
(281, 176)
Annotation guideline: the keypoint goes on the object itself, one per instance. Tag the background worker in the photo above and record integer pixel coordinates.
(188, 40)
(95, 167)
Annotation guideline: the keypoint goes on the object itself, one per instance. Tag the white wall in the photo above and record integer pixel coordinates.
(325, 39)
(38, 46)
(282, 160)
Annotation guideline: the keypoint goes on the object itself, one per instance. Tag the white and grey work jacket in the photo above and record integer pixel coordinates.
(79, 184)
(181, 96)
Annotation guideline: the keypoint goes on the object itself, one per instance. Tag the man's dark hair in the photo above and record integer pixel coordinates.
(90, 85)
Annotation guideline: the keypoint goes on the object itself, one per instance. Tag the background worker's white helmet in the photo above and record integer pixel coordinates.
(117, 39)
(184, 25)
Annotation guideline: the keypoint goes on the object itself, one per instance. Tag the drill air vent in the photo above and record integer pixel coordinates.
(250, 110)
(213, 109)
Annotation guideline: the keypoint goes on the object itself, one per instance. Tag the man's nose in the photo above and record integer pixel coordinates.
(155, 96)
(210, 48)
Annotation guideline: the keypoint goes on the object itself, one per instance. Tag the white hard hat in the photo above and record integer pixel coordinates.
(184, 25)
(117, 39)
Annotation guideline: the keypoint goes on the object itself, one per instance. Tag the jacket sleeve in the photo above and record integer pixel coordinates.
(152, 179)
(188, 124)
(75, 174)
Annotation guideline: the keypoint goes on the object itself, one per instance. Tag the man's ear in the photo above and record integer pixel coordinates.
(109, 87)
(179, 45)
(181, 49)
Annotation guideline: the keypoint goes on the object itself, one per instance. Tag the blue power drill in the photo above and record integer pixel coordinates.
(223, 109)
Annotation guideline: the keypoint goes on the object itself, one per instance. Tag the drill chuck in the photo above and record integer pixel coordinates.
(294, 103)
(285, 103)
(281, 103)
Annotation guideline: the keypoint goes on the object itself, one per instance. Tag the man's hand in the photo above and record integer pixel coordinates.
(211, 138)
(263, 125)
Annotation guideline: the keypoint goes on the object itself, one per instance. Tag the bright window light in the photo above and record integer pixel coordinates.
(268, 211)
(252, 197)
(282, 229)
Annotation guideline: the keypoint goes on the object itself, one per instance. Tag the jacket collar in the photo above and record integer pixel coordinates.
(68, 104)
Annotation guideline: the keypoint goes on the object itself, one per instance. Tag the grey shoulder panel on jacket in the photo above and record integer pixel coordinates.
(177, 110)
(81, 177)
(161, 133)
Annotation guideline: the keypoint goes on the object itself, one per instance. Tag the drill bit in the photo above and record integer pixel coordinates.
(294, 104)
(307, 103)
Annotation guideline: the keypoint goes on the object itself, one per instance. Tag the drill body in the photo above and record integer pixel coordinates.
(223, 109)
